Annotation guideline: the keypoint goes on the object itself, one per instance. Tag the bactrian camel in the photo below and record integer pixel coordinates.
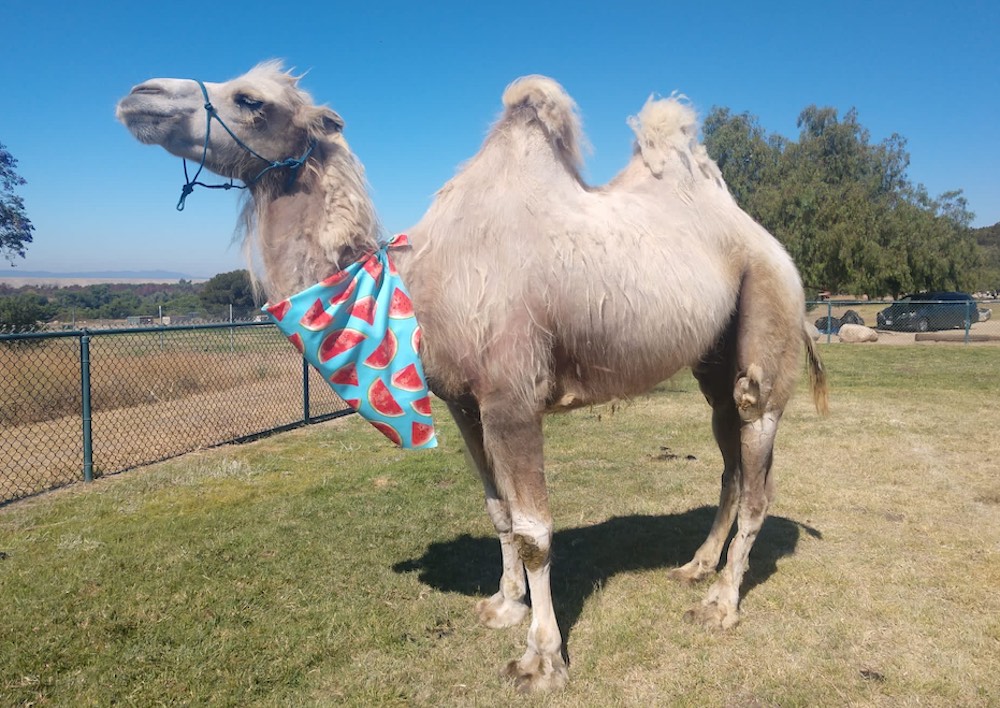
(536, 293)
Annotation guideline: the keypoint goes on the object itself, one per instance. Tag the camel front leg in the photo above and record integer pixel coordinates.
(507, 606)
(720, 608)
(513, 445)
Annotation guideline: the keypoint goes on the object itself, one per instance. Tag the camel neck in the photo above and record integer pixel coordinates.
(317, 227)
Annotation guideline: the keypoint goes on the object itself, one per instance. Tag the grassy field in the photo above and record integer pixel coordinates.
(325, 567)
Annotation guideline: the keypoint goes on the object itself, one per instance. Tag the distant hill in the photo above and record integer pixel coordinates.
(129, 274)
(17, 277)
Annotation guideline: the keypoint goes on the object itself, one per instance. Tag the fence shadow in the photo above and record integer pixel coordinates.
(586, 557)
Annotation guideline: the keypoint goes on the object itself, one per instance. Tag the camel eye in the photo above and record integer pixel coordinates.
(248, 102)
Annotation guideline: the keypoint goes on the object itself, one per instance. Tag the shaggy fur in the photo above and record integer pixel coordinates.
(539, 293)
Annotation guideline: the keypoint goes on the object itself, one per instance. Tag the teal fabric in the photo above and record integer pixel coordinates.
(357, 328)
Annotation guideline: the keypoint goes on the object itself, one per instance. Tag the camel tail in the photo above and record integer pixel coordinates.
(817, 375)
(664, 124)
(554, 110)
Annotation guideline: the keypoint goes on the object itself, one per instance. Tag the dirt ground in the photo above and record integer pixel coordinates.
(925, 338)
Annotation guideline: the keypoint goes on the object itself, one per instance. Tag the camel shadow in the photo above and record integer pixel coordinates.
(584, 558)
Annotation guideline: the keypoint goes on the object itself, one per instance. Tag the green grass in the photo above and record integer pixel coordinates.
(325, 567)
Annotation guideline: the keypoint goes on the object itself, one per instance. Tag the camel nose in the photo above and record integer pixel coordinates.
(149, 88)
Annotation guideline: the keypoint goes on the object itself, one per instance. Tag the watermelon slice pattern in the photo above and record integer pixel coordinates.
(368, 302)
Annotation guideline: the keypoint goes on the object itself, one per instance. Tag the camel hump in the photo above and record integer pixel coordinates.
(554, 110)
(664, 124)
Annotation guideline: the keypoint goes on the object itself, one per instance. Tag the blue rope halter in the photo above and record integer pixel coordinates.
(292, 163)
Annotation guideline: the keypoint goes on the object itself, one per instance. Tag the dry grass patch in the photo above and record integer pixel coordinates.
(324, 567)
(41, 378)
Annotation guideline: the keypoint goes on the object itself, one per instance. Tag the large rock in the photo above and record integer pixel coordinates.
(812, 331)
(854, 333)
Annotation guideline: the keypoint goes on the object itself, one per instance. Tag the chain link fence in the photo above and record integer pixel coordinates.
(911, 319)
(85, 402)
(79, 404)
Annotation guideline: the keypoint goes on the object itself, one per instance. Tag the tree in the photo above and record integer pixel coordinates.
(739, 146)
(15, 227)
(225, 289)
(843, 206)
(988, 275)
(23, 312)
(122, 305)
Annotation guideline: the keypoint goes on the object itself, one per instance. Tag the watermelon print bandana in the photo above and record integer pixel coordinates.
(358, 330)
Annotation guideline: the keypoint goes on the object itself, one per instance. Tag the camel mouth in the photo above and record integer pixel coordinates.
(150, 122)
(137, 107)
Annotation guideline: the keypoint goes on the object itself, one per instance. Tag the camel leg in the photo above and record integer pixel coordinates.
(715, 375)
(765, 351)
(726, 426)
(506, 607)
(512, 439)
(720, 608)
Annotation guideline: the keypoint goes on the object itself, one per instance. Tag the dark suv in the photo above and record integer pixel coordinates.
(926, 312)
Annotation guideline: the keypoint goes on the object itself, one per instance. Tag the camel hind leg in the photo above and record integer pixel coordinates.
(715, 376)
(768, 340)
(720, 608)
(767, 349)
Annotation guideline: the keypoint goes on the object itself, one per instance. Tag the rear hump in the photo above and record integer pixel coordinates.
(664, 124)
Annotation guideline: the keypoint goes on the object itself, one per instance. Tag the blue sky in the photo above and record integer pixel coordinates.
(419, 84)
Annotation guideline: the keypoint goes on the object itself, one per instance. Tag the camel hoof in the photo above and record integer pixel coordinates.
(536, 672)
(690, 573)
(713, 615)
(498, 612)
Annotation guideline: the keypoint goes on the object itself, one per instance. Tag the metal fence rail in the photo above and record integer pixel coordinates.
(79, 404)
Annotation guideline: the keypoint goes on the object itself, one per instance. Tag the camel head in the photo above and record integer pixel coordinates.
(309, 213)
(264, 108)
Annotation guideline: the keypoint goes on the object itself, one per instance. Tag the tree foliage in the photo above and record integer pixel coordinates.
(23, 312)
(225, 289)
(105, 301)
(843, 206)
(988, 275)
(15, 227)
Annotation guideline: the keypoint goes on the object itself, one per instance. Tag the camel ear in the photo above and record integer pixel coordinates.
(332, 122)
(320, 120)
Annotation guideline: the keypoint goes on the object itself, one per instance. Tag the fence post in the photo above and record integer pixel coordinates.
(88, 441)
(829, 321)
(305, 391)
(968, 319)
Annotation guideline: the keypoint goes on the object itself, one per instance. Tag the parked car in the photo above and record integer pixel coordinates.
(927, 312)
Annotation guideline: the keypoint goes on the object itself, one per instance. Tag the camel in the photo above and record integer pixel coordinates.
(536, 293)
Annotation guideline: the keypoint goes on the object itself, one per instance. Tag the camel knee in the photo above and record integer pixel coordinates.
(533, 540)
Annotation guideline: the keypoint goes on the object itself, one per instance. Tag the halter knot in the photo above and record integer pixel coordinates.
(291, 163)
